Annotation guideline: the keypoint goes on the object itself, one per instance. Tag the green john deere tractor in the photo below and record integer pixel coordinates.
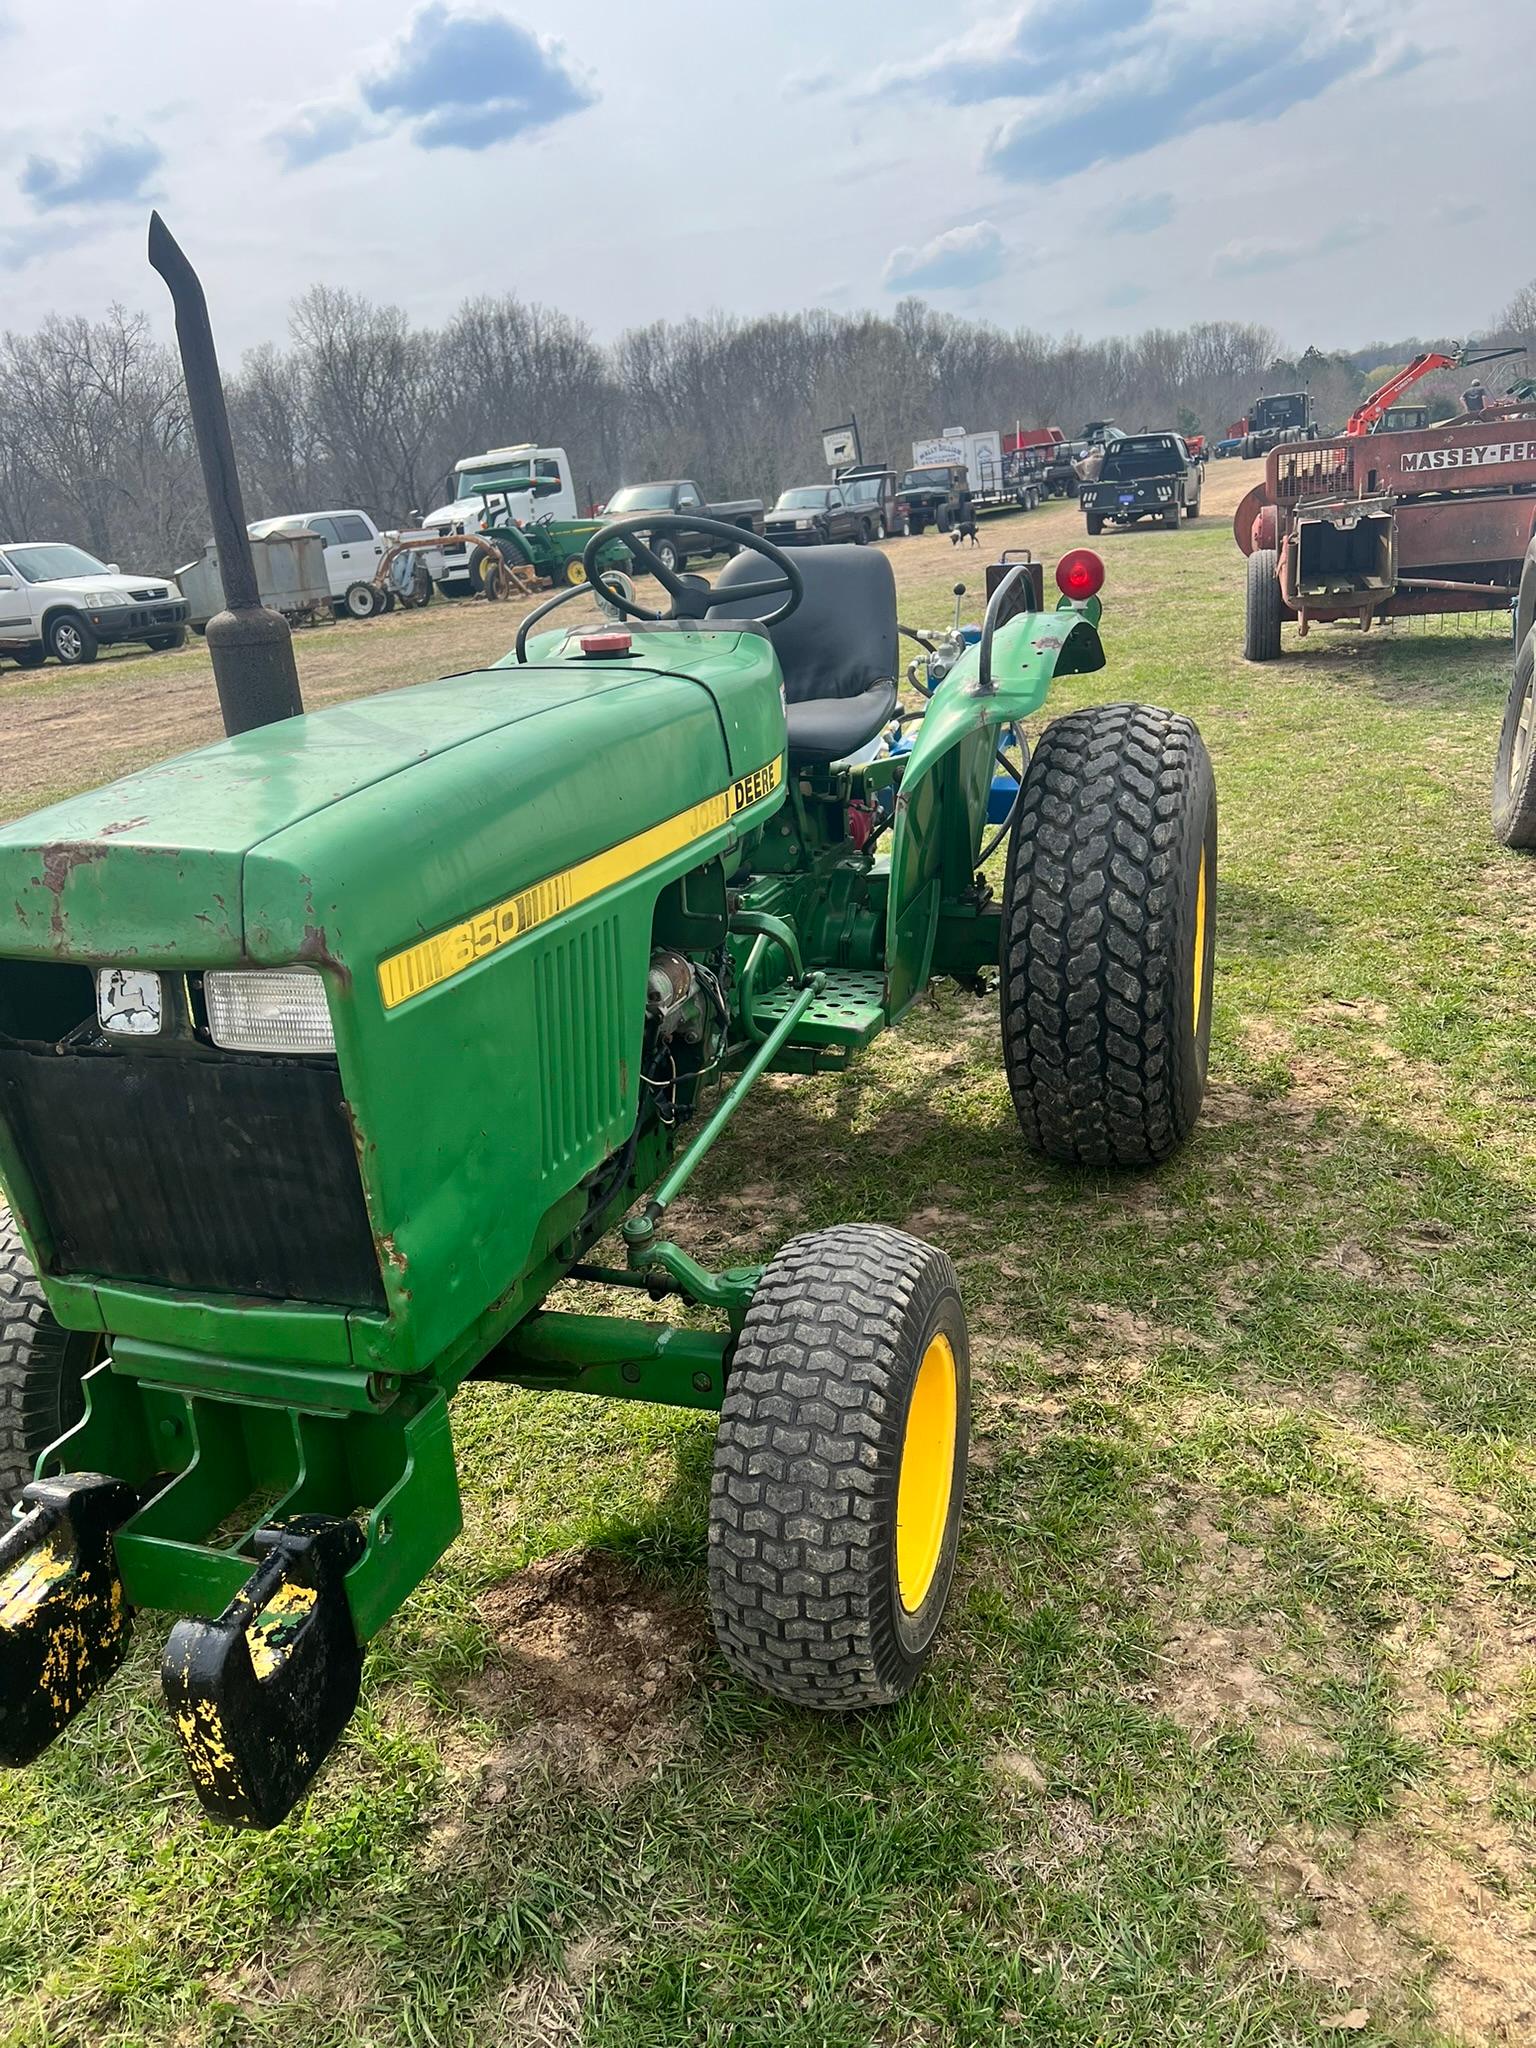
(328, 1050)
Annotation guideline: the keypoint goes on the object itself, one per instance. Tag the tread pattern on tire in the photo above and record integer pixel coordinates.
(802, 1503)
(1514, 806)
(1089, 988)
(1262, 609)
(32, 1363)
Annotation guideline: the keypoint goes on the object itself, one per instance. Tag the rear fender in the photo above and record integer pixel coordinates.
(941, 806)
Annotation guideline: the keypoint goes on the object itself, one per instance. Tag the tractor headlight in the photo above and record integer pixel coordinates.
(269, 1010)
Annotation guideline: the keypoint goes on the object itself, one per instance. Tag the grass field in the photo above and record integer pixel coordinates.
(1230, 1736)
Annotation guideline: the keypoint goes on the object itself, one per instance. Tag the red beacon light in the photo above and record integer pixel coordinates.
(1080, 574)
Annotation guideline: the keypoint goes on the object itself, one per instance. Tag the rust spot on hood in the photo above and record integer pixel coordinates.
(59, 863)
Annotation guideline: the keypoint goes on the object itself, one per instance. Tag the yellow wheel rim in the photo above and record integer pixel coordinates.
(576, 572)
(927, 1474)
(1199, 940)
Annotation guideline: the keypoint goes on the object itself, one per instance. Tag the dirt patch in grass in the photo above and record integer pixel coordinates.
(1400, 1922)
(1225, 1664)
(592, 1665)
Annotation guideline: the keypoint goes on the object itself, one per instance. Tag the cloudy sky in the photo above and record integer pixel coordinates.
(1346, 170)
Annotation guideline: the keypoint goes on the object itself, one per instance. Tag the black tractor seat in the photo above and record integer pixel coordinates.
(837, 652)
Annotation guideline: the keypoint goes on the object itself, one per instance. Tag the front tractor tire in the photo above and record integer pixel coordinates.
(839, 1469)
(1262, 611)
(41, 1367)
(1109, 931)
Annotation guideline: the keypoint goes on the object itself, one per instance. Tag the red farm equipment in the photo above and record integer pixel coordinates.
(1379, 525)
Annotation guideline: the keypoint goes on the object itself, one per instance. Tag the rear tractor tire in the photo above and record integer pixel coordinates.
(1261, 616)
(839, 1469)
(41, 1367)
(1109, 937)
(1514, 765)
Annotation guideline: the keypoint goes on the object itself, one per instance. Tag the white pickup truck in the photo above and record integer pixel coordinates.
(57, 600)
(354, 548)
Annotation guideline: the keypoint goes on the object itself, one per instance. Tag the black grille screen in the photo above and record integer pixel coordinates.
(218, 1176)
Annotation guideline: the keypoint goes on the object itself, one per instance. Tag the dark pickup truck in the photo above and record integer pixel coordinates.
(680, 496)
(1143, 476)
(810, 515)
(872, 489)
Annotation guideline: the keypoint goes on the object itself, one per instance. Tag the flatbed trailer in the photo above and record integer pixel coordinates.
(1373, 527)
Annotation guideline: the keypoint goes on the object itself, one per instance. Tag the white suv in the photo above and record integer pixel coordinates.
(58, 600)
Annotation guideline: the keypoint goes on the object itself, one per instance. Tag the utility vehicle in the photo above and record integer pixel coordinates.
(938, 495)
(328, 1051)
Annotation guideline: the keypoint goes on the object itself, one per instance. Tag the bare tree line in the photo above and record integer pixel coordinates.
(363, 408)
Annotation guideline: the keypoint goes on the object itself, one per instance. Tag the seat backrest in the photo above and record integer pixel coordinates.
(842, 639)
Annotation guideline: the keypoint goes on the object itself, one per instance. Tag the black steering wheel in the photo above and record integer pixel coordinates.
(684, 593)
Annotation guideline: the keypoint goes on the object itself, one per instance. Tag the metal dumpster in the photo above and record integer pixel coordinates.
(290, 572)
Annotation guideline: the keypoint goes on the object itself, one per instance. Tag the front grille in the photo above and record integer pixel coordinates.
(214, 1175)
(147, 596)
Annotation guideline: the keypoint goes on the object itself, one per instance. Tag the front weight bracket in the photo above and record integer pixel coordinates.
(259, 1696)
(64, 1619)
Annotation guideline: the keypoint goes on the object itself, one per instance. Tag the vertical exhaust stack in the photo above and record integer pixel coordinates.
(252, 648)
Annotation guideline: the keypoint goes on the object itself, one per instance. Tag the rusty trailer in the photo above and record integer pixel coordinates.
(1370, 528)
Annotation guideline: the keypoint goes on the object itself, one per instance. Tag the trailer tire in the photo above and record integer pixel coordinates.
(362, 601)
(1262, 608)
(839, 1469)
(41, 1367)
(1109, 932)
(1514, 764)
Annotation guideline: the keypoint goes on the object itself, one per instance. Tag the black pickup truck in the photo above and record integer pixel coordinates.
(680, 496)
(811, 515)
(1143, 476)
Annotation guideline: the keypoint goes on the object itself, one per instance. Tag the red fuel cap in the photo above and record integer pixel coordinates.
(606, 644)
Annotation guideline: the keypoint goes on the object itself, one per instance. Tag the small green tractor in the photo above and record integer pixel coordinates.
(328, 1051)
(553, 550)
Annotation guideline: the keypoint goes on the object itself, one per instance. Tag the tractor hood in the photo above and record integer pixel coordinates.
(333, 836)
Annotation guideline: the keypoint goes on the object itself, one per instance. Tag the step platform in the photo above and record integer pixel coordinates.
(849, 1012)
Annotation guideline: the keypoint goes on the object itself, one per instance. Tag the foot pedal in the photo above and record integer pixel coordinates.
(259, 1696)
(64, 1621)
